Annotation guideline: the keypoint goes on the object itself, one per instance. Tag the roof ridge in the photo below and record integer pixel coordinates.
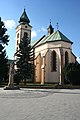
(50, 35)
(37, 41)
(54, 37)
(62, 35)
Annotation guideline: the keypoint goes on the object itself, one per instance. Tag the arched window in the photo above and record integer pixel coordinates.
(53, 59)
(18, 35)
(17, 49)
(66, 58)
(17, 42)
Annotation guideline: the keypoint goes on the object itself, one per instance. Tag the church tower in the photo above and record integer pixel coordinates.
(23, 28)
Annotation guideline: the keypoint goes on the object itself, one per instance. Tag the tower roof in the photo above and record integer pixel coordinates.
(50, 28)
(24, 17)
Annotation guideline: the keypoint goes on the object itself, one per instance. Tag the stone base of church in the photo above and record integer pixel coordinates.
(11, 88)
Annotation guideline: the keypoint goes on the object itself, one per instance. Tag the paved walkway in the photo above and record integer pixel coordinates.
(47, 104)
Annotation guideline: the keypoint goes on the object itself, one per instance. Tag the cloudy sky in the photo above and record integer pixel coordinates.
(65, 12)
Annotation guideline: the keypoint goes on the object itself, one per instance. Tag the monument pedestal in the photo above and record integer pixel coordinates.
(12, 87)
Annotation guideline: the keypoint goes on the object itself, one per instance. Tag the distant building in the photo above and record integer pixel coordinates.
(52, 52)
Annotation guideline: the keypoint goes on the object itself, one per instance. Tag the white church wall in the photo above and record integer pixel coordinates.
(55, 76)
(28, 30)
(73, 58)
(41, 48)
(52, 77)
(21, 29)
(38, 68)
(66, 47)
(59, 44)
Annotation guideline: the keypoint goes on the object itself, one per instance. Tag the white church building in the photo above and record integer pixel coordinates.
(52, 52)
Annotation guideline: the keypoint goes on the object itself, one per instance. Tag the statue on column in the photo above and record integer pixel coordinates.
(11, 75)
(11, 79)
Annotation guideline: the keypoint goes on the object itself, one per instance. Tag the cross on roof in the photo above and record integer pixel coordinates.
(57, 25)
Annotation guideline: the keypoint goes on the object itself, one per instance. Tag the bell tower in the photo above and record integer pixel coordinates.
(23, 28)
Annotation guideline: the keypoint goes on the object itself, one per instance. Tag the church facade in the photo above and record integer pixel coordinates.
(52, 52)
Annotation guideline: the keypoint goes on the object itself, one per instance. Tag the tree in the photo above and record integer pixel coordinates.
(3, 58)
(23, 59)
(72, 73)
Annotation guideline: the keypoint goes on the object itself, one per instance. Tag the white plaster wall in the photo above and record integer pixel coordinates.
(52, 77)
(41, 48)
(21, 29)
(73, 58)
(59, 44)
(28, 30)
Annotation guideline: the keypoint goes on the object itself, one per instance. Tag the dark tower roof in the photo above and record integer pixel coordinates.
(50, 29)
(24, 18)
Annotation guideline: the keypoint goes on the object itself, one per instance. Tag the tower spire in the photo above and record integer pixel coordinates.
(25, 8)
(50, 21)
(24, 18)
(50, 29)
(57, 25)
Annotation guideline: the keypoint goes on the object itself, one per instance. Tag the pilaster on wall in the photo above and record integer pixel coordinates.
(38, 68)
(43, 71)
(43, 67)
(61, 67)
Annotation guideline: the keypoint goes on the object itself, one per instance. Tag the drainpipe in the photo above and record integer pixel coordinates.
(43, 71)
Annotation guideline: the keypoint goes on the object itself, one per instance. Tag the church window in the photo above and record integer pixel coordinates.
(53, 61)
(66, 58)
(25, 34)
(17, 49)
(18, 35)
(17, 42)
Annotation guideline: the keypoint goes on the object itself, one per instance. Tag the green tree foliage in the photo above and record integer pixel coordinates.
(3, 58)
(72, 73)
(24, 59)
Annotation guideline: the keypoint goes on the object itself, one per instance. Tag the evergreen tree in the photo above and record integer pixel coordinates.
(72, 73)
(3, 58)
(23, 61)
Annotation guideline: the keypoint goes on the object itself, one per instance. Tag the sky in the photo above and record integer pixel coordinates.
(65, 12)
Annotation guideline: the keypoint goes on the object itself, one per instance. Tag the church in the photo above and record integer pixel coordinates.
(52, 52)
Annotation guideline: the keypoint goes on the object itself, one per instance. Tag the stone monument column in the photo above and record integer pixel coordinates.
(11, 75)
(10, 85)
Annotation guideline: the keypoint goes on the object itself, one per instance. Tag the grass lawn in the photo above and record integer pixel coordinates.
(46, 86)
